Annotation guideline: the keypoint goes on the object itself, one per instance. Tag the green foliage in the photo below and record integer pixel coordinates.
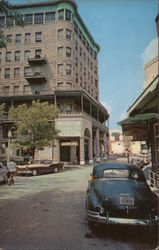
(7, 10)
(35, 125)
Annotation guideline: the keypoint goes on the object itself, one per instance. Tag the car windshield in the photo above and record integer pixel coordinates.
(116, 173)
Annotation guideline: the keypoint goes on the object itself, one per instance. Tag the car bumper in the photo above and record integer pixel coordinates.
(97, 218)
(28, 171)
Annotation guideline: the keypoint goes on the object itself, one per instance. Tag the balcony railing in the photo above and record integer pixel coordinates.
(36, 77)
(25, 93)
(37, 60)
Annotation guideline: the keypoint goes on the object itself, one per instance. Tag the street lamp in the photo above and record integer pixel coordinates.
(8, 149)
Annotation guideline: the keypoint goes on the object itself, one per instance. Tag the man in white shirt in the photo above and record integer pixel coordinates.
(11, 170)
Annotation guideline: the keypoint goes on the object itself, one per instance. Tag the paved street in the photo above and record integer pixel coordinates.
(47, 212)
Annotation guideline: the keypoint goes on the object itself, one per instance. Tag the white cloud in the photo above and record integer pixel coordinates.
(151, 51)
(107, 106)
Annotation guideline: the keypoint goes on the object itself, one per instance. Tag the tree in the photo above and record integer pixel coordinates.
(34, 126)
(8, 11)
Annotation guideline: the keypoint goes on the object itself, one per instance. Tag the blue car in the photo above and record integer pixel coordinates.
(119, 194)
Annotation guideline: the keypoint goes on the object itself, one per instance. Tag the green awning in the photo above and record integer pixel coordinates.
(139, 118)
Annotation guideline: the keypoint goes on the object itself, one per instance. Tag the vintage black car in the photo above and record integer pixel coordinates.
(119, 194)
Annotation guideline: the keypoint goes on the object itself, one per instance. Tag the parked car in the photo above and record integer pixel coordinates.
(39, 167)
(119, 194)
(3, 174)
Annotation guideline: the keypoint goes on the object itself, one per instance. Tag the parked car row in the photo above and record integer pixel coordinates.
(34, 168)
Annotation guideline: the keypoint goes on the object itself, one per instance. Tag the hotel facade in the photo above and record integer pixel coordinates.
(54, 58)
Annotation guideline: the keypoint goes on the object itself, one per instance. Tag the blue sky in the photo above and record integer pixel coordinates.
(126, 33)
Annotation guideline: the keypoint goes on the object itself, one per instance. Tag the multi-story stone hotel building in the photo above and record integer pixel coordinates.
(54, 58)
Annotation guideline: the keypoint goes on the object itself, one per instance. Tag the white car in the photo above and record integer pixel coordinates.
(3, 174)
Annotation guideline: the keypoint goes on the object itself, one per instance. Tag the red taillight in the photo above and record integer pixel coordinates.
(94, 177)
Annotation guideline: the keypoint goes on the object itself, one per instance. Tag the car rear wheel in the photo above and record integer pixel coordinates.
(56, 170)
(35, 172)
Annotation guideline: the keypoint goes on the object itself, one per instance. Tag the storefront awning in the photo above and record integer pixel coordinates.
(139, 118)
(136, 126)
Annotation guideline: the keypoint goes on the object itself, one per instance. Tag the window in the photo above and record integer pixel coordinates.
(17, 56)
(68, 51)
(68, 83)
(88, 61)
(84, 85)
(84, 40)
(26, 88)
(68, 69)
(76, 45)
(76, 27)
(7, 73)
(87, 46)
(6, 89)
(0, 57)
(68, 34)
(68, 15)
(26, 54)
(38, 37)
(37, 53)
(61, 14)
(60, 51)
(2, 21)
(60, 34)
(84, 56)
(116, 173)
(81, 67)
(81, 81)
(28, 18)
(76, 61)
(76, 78)
(84, 71)
(49, 17)
(91, 79)
(59, 83)
(80, 51)
(91, 50)
(80, 34)
(91, 65)
(95, 55)
(8, 56)
(38, 18)
(18, 38)
(9, 38)
(88, 76)
(96, 82)
(26, 71)
(60, 69)
(15, 89)
(95, 70)
(27, 37)
(9, 21)
(16, 72)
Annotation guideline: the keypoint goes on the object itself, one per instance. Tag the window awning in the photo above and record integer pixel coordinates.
(139, 118)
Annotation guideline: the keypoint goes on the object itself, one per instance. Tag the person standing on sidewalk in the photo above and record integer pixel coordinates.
(11, 170)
